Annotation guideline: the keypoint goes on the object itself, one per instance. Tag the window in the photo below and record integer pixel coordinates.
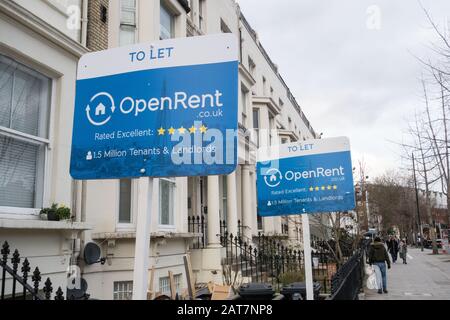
(164, 286)
(125, 201)
(260, 223)
(167, 23)
(24, 116)
(166, 201)
(280, 103)
(264, 86)
(251, 66)
(201, 15)
(128, 25)
(178, 279)
(244, 97)
(123, 290)
(256, 124)
(290, 123)
(271, 130)
(271, 91)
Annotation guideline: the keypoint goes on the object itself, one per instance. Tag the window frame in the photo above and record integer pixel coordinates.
(125, 282)
(173, 16)
(124, 226)
(47, 143)
(167, 227)
(126, 25)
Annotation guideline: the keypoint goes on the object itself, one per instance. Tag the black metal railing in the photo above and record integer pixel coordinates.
(197, 224)
(347, 283)
(21, 288)
(271, 261)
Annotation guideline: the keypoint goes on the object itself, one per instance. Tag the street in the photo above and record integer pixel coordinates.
(425, 277)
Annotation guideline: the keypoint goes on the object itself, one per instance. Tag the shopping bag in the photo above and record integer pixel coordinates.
(378, 277)
(372, 282)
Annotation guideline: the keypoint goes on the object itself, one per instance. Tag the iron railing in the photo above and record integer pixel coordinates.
(21, 287)
(348, 281)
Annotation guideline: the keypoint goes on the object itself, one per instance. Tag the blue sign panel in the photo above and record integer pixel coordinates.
(309, 177)
(161, 110)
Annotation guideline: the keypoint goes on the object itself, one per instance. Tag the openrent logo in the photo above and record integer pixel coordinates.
(99, 114)
(273, 176)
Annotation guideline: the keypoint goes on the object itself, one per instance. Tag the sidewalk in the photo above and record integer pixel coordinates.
(425, 277)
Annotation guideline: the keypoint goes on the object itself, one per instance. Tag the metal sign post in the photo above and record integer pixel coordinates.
(142, 246)
(308, 258)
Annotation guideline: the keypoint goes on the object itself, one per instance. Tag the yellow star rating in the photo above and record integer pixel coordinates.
(182, 130)
(323, 188)
(203, 129)
(161, 131)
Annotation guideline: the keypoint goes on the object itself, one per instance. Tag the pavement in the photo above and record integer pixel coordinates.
(424, 277)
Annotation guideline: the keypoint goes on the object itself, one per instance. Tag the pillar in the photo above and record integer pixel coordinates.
(232, 215)
(213, 220)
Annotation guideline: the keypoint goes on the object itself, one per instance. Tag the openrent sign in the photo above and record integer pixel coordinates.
(164, 109)
(305, 177)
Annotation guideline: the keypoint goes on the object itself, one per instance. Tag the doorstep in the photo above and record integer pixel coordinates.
(28, 224)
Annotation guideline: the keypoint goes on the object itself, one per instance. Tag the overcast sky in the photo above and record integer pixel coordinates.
(353, 74)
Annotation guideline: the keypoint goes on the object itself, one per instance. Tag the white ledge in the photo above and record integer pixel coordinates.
(42, 224)
(132, 235)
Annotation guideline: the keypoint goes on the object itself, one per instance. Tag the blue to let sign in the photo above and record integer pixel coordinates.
(305, 177)
(165, 109)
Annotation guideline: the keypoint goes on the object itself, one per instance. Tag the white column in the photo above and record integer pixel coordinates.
(247, 203)
(232, 216)
(142, 245)
(213, 217)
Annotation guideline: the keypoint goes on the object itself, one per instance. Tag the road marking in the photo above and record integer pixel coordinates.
(409, 256)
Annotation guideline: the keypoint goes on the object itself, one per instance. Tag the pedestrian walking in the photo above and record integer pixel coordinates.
(403, 250)
(379, 257)
(393, 248)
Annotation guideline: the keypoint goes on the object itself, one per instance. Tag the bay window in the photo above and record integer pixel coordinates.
(24, 134)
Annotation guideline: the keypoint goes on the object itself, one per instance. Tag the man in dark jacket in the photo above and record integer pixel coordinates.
(379, 257)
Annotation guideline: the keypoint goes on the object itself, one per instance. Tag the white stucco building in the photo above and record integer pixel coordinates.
(34, 39)
(39, 53)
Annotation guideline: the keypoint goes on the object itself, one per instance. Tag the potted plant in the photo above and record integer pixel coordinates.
(63, 213)
(50, 213)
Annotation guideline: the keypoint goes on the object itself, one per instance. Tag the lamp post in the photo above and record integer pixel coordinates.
(417, 203)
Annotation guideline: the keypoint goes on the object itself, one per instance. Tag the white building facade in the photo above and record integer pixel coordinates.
(105, 211)
(39, 52)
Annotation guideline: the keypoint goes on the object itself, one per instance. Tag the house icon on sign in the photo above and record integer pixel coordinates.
(273, 178)
(100, 110)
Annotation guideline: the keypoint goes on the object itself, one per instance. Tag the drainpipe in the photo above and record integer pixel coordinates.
(84, 22)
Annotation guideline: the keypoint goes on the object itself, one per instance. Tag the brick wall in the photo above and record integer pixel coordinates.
(97, 33)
